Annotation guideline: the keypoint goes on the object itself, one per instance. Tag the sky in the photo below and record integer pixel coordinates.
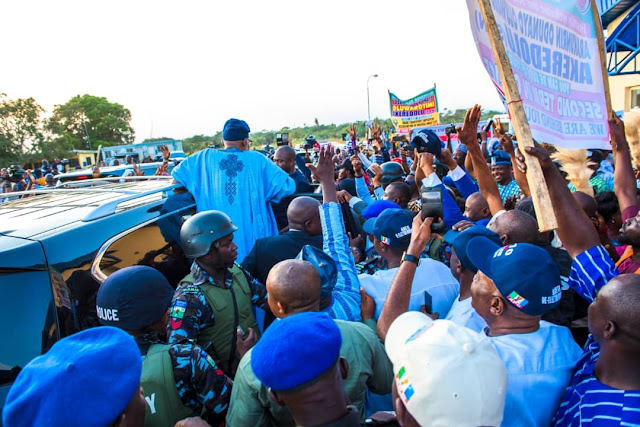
(184, 68)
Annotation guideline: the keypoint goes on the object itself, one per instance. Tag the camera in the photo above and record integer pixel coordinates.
(309, 142)
(16, 173)
(282, 139)
(431, 198)
(450, 129)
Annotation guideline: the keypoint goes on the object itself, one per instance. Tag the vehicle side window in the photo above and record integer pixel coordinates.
(154, 244)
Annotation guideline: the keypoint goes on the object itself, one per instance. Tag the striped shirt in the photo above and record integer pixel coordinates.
(587, 401)
(345, 297)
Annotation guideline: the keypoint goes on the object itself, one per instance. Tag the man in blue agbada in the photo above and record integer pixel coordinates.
(238, 182)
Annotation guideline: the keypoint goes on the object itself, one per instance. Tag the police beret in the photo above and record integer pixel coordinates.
(296, 350)
(133, 298)
(86, 379)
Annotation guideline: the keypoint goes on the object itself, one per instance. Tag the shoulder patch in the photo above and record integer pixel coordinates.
(178, 309)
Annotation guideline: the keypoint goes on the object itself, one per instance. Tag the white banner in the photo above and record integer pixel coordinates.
(554, 55)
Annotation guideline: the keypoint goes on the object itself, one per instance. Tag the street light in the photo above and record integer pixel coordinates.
(369, 108)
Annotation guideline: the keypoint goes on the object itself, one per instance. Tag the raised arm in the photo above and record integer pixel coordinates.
(397, 301)
(624, 181)
(575, 229)
(507, 145)
(468, 136)
(345, 302)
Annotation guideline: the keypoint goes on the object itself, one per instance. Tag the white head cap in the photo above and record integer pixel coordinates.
(446, 374)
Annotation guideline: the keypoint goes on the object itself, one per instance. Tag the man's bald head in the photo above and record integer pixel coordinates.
(285, 158)
(516, 227)
(304, 214)
(586, 202)
(476, 207)
(293, 286)
(618, 302)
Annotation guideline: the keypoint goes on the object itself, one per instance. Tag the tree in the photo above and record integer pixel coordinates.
(86, 121)
(200, 142)
(20, 128)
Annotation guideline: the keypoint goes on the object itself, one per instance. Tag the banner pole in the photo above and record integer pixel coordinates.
(603, 54)
(537, 184)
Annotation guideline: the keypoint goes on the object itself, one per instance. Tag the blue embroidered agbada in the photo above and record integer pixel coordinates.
(240, 184)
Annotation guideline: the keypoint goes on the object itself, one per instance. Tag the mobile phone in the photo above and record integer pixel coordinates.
(431, 198)
(428, 303)
(370, 172)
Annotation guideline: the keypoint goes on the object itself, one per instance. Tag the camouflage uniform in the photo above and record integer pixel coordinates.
(201, 386)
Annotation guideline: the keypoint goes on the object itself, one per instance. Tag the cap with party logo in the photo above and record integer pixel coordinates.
(446, 374)
(392, 227)
(525, 274)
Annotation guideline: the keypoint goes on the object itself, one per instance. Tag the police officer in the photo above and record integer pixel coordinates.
(212, 305)
(179, 380)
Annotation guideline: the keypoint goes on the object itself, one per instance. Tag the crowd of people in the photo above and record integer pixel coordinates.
(413, 287)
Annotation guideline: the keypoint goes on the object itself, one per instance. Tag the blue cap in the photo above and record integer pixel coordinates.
(525, 274)
(235, 130)
(325, 265)
(460, 241)
(133, 298)
(427, 141)
(86, 379)
(377, 207)
(296, 350)
(500, 157)
(392, 227)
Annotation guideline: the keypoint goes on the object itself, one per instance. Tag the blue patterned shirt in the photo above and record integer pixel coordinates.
(587, 401)
(509, 190)
(345, 297)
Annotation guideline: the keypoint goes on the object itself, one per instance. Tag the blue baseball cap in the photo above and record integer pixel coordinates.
(462, 147)
(377, 207)
(460, 241)
(235, 130)
(296, 350)
(133, 298)
(392, 227)
(500, 157)
(325, 265)
(427, 141)
(525, 274)
(85, 379)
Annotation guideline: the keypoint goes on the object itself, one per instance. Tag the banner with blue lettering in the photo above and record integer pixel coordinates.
(419, 111)
(553, 51)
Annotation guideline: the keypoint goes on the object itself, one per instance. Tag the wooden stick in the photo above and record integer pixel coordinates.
(603, 61)
(539, 191)
(603, 54)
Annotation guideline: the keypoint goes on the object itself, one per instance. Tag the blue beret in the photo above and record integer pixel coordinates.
(133, 298)
(462, 148)
(235, 130)
(296, 350)
(86, 379)
(377, 207)
(325, 265)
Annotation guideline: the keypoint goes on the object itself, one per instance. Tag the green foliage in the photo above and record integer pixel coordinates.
(200, 142)
(20, 129)
(86, 121)
(163, 138)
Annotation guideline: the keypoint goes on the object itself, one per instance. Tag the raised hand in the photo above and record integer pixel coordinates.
(616, 130)
(357, 165)
(468, 134)
(244, 345)
(447, 159)
(136, 170)
(426, 163)
(420, 234)
(497, 128)
(376, 130)
(506, 143)
(352, 132)
(325, 169)
(162, 169)
(165, 152)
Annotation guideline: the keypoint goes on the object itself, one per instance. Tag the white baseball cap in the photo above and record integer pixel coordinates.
(446, 374)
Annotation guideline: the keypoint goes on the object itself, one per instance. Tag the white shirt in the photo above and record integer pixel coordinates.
(431, 276)
(463, 314)
(539, 368)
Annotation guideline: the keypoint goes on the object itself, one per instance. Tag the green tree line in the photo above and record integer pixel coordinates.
(86, 121)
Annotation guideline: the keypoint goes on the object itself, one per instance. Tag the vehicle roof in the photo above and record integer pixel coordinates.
(49, 209)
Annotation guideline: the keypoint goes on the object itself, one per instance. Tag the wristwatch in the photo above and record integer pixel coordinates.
(410, 258)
